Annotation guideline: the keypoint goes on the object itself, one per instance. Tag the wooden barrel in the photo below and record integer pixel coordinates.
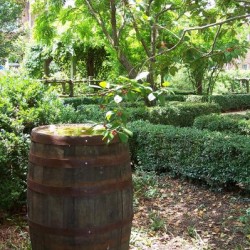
(79, 192)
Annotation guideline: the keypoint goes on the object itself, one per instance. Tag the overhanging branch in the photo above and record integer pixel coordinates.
(181, 38)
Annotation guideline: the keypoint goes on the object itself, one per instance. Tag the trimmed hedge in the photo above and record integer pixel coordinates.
(78, 101)
(238, 124)
(180, 114)
(175, 113)
(232, 102)
(187, 98)
(95, 113)
(227, 102)
(178, 98)
(213, 157)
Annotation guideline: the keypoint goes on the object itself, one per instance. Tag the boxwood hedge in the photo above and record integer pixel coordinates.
(215, 158)
(227, 102)
(239, 124)
(232, 102)
(78, 101)
(180, 114)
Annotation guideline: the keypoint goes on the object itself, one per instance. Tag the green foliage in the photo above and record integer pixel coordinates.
(33, 61)
(156, 221)
(13, 169)
(10, 12)
(232, 101)
(215, 158)
(180, 113)
(245, 219)
(227, 102)
(96, 113)
(174, 113)
(91, 112)
(78, 101)
(24, 104)
(142, 34)
(238, 124)
(227, 82)
(145, 184)
(176, 97)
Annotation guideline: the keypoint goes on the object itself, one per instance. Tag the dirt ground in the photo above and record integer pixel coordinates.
(192, 217)
(168, 215)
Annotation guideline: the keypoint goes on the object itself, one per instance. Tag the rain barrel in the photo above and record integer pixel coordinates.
(79, 192)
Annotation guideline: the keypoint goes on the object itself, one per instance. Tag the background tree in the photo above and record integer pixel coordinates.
(10, 13)
(147, 35)
(72, 43)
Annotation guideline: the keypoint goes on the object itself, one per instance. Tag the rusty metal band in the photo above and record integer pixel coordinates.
(80, 191)
(82, 232)
(97, 140)
(108, 161)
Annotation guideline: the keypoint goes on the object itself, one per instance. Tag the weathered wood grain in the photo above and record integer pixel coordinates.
(79, 196)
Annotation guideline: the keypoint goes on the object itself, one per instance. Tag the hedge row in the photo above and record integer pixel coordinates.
(232, 102)
(226, 102)
(175, 113)
(239, 124)
(180, 114)
(78, 101)
(212, 157)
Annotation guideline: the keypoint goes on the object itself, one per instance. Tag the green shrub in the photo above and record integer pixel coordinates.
(215, 158)
(96, 113)
(180, 114)
(227, 102)
(13, 169)
(238, 124)
(186, 98)
(178, 98)
(79, 101)
(196, 98)
(24, 104)
(232, 102)
(91, 112)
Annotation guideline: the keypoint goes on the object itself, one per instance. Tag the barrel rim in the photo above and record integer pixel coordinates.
(38, 136)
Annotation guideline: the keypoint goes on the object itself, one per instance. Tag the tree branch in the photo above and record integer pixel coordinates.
(113, 23)
(169, 7)
(123, 22)
(99, 21)
(149, 7)
(139, 35)
(181, 38)
(215, 40)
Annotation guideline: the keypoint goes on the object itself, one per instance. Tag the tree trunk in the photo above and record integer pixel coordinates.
(90, 64)
(73, 67)
(199, 88)
(132, 73)
(46, 66)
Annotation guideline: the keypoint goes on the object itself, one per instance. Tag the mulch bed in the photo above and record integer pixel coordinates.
(195, 217)
(177, 215)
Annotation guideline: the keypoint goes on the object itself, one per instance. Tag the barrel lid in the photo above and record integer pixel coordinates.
(49, 135)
